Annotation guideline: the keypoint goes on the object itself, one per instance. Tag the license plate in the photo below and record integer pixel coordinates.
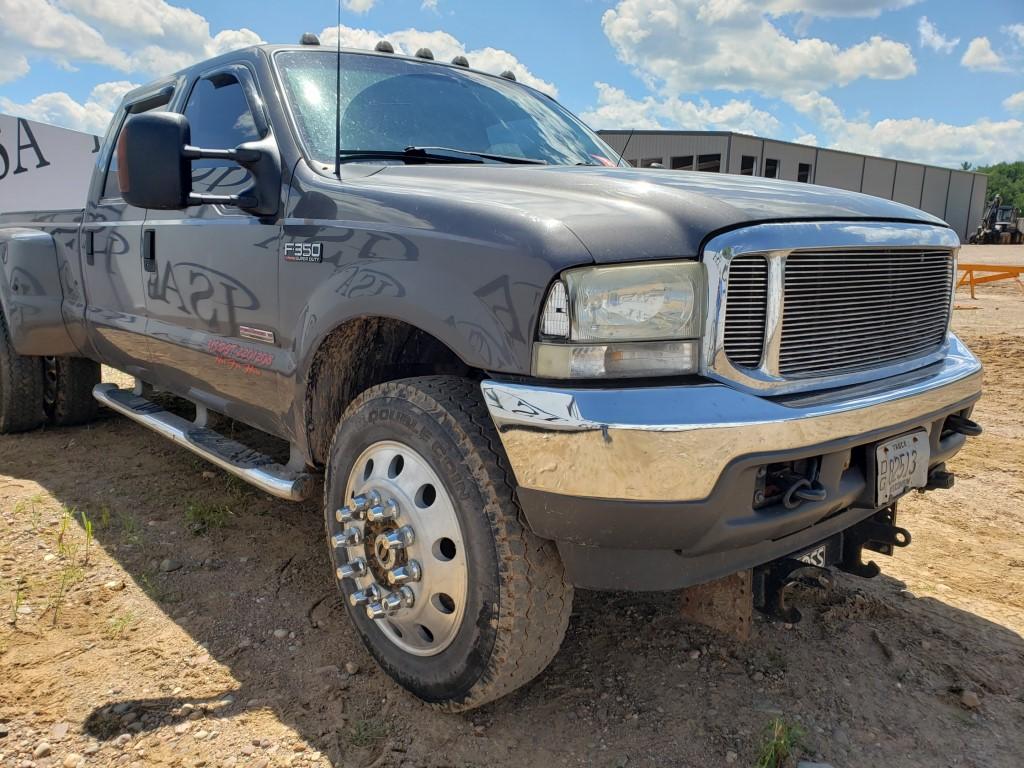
(902, 464)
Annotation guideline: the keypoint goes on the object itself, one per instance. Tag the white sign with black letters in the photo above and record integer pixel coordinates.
(43, 167)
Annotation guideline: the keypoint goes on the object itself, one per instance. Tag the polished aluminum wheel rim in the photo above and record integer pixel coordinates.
(400, 550)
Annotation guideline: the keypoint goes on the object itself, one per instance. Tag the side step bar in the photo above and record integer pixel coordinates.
(252, 466)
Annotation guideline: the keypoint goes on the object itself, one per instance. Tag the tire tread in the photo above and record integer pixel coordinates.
(21, 387)
(75, 404)
(535, 598)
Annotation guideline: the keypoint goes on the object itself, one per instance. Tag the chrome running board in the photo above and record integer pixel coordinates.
(252, 466)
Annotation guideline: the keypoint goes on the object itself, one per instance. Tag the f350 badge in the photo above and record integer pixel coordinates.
(312, 252)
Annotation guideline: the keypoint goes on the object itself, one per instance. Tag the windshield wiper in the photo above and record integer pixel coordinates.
(511, 159)
(432, 155)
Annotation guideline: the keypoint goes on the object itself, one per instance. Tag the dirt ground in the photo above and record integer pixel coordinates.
(200, 626)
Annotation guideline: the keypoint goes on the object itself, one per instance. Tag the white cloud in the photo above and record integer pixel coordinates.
(429, 5)
(615, 109)
(359, 6)
(12, 67)
(932, 38)
(145, 36)
(980, 56)
(1014, 103)
(836, 8)
(108, 95)
(919, 139)
(690, 45)
(1016, 31)
(31, 27)
(444, 46)
(58, 108)
(822, 109)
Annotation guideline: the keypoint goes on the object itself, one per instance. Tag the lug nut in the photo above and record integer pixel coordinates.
(400, 539)
(386, 511)
(403, 574)
(360, 503)
(352, 569)
(344, 515)
(376, 611)
(372, 594)
(395, 601)
(350, 537)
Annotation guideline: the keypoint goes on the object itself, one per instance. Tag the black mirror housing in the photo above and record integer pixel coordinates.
(152, 168)
(262, 159)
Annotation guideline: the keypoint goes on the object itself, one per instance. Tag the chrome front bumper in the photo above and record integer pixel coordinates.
(674, 443)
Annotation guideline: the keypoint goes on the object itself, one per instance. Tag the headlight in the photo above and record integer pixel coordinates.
(636, 302)
(647, 313)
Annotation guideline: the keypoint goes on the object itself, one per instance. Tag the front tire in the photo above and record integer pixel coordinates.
(469, 604)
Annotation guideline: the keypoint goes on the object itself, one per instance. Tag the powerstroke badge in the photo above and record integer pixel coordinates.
(311, 252)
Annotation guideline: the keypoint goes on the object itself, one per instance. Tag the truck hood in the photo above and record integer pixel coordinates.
(628, 213)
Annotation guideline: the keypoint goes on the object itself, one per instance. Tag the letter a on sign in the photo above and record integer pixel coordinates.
(30, 144)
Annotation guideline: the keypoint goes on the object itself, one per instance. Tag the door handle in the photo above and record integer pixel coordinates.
(149, 250)
(90, 247)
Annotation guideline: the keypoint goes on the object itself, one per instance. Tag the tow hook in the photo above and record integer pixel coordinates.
(879, 533)
(963, 425)
(789, 483)
(803, 490)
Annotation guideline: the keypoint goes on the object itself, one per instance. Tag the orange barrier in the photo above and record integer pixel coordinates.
(998, 272)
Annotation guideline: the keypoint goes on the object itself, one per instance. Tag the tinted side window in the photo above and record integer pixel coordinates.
(220, 118)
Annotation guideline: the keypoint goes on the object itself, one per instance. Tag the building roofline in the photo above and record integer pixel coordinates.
(654, 132)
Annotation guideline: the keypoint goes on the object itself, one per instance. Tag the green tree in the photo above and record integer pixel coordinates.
(1007, 180)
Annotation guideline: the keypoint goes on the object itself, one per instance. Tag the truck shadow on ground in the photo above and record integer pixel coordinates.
(871, 676)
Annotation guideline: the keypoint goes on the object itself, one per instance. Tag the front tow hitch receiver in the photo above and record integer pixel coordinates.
(879, 533)
(773, 584)
(939, 479)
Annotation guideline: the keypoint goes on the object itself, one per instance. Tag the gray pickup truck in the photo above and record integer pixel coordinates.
(520, 365)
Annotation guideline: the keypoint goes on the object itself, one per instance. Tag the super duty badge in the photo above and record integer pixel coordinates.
(304, 252)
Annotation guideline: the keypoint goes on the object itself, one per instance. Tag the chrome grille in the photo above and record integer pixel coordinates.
(746, 310)
(860, 308)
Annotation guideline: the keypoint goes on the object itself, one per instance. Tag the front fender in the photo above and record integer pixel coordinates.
(472, 276)
(30, 293)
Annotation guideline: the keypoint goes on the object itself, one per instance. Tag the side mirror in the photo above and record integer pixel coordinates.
(152, 168)
(155, 157)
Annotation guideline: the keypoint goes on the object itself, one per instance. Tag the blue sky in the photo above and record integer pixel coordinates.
(930, 80)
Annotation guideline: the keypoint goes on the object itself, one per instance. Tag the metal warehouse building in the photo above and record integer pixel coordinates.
(957, 197)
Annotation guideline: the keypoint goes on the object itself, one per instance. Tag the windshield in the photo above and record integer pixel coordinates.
(389, 104)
